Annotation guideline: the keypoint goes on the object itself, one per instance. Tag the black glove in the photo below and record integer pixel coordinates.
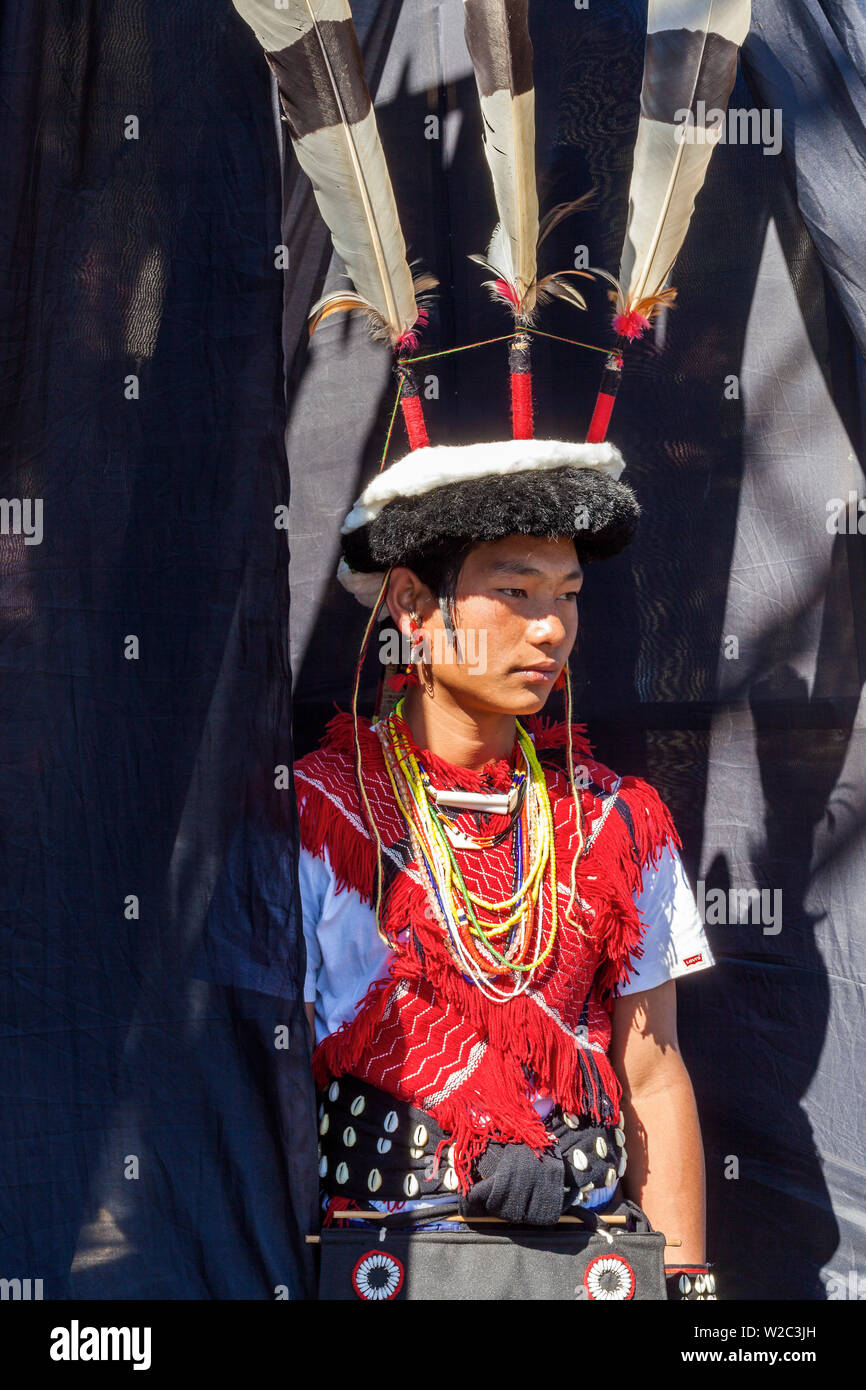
(517, 1185)
(593, 1154)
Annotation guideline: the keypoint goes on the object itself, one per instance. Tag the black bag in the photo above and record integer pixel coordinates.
(501, 1263)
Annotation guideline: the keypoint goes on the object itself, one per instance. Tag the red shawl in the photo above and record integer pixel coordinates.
(427, 1034)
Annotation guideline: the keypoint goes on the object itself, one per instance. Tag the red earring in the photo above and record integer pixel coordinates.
(559, 683)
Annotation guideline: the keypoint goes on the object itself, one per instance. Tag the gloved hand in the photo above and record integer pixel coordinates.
(594, 1155)
(517, 1185)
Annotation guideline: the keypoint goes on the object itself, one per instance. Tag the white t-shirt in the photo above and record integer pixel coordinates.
(345, 953)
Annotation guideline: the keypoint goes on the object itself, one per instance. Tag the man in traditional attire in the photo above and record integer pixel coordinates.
(507, 1037)
(495, 921)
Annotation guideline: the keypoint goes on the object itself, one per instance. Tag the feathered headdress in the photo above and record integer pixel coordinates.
(497, 37)
(313, 51)
(689, 68)
(690, 65)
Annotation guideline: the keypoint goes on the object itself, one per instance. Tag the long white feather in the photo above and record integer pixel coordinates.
(313, 51)
(497, 36)
(690, 59)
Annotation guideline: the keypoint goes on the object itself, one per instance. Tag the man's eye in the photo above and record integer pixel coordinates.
(518, 593)
(572, 593)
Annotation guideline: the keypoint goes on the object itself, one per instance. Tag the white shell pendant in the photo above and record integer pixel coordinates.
(610, 1177)
(383, 1146)
(587, 1187)
(619, 1137)
(685, 1284)
(342, 1173)
(449, 1154)
(580, 1160)
(416, 1153)
(349, 1136)
(449, 1179)
(410, 1185)
(333, 1091)
(323, 1168)
(391, 1122)
(374, 1181)
(571, 1120)
(357, 1106)
(601, 1147)
(620, 1167)
(419, 1136)
(324, 1124)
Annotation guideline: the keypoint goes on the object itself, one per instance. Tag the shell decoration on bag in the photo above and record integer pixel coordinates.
(377, 1277)
(609, 1277)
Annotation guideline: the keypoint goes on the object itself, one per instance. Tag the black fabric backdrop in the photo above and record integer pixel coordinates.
(158, 1118)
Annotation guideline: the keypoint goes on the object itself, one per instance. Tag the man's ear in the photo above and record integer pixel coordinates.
(406, 593)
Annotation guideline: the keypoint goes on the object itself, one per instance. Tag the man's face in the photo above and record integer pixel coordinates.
(516, 619)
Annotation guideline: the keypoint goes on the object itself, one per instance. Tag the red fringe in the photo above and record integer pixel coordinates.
(323, 826)
(553, 733)
(520, 1036)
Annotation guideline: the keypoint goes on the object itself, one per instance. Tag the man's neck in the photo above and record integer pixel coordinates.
(464, 738)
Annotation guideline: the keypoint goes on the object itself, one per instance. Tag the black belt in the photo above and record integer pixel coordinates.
(373, 1146)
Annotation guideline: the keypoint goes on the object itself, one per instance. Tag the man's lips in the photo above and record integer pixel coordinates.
(545, 671)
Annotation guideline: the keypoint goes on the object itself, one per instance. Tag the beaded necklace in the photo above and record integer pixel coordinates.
(499, 945)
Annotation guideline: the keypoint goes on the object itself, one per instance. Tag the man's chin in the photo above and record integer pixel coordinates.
(522, 702)
(510, 695)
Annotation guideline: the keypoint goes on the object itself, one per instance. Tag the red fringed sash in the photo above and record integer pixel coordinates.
(426, 1033)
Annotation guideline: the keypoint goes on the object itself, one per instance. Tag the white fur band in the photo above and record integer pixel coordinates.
(425, 469)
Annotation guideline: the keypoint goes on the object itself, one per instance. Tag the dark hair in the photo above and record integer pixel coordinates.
(439, 568)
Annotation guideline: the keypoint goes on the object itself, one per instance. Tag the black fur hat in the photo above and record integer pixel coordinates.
(438, 499)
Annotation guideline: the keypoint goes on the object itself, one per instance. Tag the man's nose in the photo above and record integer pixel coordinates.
(548, 627)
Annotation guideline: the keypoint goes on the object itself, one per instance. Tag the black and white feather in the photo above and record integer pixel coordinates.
(313, 51)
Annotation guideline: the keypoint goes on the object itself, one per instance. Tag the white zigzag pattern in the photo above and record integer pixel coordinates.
(353, 820)
(457, 1079)
(421, 1043)
(442, 1045)
(548, 1009)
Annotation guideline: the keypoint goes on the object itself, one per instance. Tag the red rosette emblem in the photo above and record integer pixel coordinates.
(377, 1277)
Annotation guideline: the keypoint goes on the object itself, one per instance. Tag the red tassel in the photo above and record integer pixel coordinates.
(335, 1206)
(630, 325)
(409, 340)
(402, 680)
